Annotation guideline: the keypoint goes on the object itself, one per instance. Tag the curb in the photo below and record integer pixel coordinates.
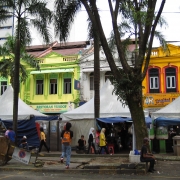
(80, 171)
(167, 158)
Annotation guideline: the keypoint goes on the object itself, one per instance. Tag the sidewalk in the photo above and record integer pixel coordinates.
(85, 163)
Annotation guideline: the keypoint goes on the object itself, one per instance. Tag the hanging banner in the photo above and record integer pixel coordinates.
(21, 155)
(76, 84)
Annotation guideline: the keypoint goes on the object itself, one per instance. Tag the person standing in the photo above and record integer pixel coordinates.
(6, 133)
(66, 136)
(11, 135)
(102, 141)
(43, 140)
(91, 140)
(147, 157)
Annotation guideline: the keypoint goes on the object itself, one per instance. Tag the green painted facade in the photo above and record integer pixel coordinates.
(56, 98)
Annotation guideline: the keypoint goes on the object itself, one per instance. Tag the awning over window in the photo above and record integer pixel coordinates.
(52, 71)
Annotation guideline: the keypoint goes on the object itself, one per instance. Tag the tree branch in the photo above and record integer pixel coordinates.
(96, 22)
(121, 53)
(151, 38)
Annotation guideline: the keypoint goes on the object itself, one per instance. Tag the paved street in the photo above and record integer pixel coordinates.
(28, 175)
(165, 170)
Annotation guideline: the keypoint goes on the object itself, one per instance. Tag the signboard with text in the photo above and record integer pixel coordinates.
(51, 108)
(159, 100)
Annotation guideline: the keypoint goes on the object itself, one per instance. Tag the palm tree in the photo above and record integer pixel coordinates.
(22, 11)
(64, 16)
(7, 52)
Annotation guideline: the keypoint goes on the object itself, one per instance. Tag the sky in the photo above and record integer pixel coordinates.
(79, 27)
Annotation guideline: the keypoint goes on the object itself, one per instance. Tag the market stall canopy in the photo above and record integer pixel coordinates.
(114, 119)
(109, 107)
(6, 107)
(172, 110)
(121, 119)
(165, 122)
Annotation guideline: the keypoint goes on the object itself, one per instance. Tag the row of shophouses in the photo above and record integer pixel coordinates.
(65, 78)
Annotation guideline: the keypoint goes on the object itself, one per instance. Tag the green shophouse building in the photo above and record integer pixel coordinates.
(53, 89)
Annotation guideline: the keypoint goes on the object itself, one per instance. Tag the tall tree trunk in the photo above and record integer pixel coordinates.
(96, 79)
(16, 82)
(138, 118)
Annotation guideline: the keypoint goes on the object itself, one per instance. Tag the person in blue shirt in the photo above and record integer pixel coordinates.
(11, 135)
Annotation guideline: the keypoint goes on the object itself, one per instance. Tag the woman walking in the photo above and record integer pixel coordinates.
(102, 141)
(43, 140)
(91, 140)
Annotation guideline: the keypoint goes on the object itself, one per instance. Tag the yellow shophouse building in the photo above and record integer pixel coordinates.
(161, 85)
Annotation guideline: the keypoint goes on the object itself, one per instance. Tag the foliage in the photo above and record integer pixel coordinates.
(27, 13)
(7, 51)
(22, 11)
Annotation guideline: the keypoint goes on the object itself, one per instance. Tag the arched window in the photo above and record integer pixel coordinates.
(91, 78)
(170, 74)
(108, 75)
(154, 80)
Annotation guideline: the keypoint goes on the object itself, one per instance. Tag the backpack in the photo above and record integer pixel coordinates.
(66, 137)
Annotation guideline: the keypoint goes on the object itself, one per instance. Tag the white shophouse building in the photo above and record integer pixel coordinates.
(87, 70)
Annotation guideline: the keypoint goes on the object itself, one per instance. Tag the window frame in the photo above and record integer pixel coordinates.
(154, 82)
(39, 87)
(3, 87)
(67, 86)
(91, 82)
(170, 77)
(53, 86)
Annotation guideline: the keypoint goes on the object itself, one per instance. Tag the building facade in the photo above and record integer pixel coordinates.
(53, 89)
(87, 69)
(6, 29)
(161, 85)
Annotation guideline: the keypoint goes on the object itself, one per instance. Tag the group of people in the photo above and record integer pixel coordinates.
(92, 141)
(11, 135)
(67, 136)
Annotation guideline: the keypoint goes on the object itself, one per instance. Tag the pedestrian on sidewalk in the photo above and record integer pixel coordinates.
(43, 140)
(11, 135)
(66, 136)
(24, 143)
(91, 140)
(147, 157)
(7, 131)
(103, 142)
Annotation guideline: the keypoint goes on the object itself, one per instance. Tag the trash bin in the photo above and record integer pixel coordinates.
(176, 145)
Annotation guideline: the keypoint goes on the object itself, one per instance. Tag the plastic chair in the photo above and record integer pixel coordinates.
(111, 148)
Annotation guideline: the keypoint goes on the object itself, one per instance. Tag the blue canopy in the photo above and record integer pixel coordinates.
(28, 128)
(114, 119)
(163, 121)
(121, 119)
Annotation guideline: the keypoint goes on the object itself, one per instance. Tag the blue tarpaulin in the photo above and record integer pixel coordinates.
(121, 119)
(163, 121)
(114, 119)
(28, 128)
